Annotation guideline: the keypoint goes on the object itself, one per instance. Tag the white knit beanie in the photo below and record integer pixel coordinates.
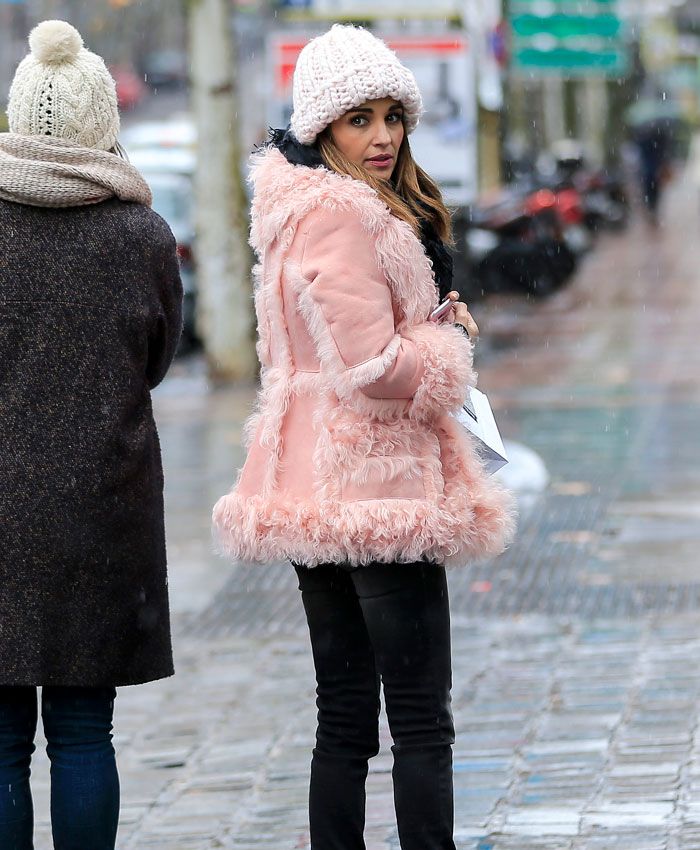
(342, 69)
(61, 89)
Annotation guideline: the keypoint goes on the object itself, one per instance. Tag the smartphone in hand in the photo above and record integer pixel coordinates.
(441, 310)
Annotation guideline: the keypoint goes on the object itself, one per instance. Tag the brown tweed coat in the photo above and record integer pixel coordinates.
(90, 313)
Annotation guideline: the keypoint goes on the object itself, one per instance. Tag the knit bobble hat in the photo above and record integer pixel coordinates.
(344, 68)
(63, 90)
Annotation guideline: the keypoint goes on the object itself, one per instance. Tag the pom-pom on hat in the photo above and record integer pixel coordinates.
(342, 69)
(61, 89)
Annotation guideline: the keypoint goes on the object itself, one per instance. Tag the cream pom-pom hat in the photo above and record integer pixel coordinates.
(63, 90)
(342, 69)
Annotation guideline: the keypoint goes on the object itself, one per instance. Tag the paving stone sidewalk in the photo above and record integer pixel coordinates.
(570, 735)
(575, 655)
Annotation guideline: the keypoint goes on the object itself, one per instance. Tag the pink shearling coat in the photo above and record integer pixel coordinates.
(353, 456)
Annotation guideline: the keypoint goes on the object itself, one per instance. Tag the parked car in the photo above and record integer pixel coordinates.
(176, 134)
(162, 147)
(172, 199)
(165, 153)
(131, 88)
(165, 68)
(163, 161)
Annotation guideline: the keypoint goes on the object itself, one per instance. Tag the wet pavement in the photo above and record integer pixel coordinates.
(575, 653)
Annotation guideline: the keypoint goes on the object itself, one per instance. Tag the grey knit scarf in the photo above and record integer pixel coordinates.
(42, 171)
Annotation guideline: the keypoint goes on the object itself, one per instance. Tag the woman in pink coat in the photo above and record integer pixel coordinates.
(356, 471)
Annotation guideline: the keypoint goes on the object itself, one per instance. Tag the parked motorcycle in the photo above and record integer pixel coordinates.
(529, 238)
(568, 206)
(604, 196)
(517, 245)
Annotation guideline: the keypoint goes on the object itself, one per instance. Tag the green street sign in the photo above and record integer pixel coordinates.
(573, 7)
(566, 37)
(570, 62)
(566, 26)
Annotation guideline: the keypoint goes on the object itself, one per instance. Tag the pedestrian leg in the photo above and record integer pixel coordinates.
(406, 610)
(18, 719)
(348, 708)
(84, 779)
(652, 196)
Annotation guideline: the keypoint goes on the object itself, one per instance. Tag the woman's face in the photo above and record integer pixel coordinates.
(370, 135)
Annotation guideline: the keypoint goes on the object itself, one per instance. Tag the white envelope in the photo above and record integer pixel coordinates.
(477, 417)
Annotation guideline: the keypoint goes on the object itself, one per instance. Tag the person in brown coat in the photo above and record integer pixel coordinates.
(90, 315)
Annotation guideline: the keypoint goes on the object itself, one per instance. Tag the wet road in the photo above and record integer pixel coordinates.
(576, 680)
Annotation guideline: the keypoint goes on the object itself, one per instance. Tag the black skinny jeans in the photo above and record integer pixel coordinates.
(387, 622)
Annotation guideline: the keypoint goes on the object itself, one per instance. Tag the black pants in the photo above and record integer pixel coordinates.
(388, 622)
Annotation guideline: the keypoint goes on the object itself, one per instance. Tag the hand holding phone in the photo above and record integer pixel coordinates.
(441, 310)
(444, 307)
(461, 316)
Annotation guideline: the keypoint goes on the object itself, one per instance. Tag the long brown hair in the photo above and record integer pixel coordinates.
(411, 195)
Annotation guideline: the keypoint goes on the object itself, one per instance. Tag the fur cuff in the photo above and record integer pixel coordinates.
(447, 357)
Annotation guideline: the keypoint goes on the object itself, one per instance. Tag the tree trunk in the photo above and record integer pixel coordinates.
(224, 299)
(7, 64)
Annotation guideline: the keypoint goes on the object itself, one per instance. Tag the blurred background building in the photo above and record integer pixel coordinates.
(531, 95)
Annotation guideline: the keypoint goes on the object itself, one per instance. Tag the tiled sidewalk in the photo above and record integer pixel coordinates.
(571, 735)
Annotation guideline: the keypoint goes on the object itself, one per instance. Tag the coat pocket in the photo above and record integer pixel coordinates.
(383, 477)
(360, 458)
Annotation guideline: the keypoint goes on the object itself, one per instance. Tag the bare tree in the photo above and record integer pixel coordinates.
(225, 316)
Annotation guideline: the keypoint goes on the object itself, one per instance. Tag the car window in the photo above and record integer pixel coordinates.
(171, 202)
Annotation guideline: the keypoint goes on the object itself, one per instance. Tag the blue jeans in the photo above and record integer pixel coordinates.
(84, 780)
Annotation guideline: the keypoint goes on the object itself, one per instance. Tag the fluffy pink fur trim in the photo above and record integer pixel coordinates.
(285, 194)
(461, 528)
(471, 520)
(493, 507)
(264, 335)
(274, 403)
(447, 357)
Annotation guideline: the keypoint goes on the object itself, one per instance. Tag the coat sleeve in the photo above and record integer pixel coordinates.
(347, 303)
(166, 316)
